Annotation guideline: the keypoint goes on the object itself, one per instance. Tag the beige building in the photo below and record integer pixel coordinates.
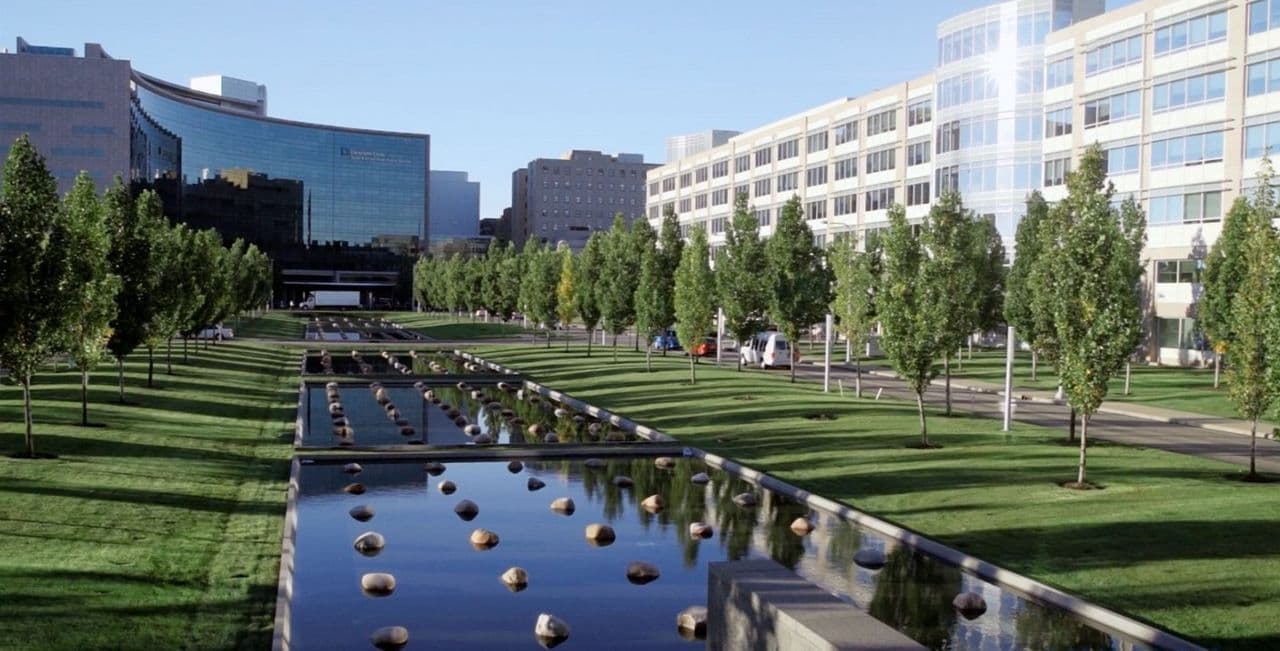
(1183, 95)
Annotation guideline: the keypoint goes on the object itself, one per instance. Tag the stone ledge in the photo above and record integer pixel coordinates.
(758, 605)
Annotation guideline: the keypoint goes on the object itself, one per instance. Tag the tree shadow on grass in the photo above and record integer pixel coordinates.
(145, 497)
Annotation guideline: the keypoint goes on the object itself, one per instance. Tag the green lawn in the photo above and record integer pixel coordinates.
(1169, 539)
(160, 530)
(444, 326)
(1184, 389)
(272, 325)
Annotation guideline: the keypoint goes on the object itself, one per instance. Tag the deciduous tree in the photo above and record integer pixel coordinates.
(566, 297)
(852, 302)
(742, 276)
(799, 282)
(585, 285)
(694, 296)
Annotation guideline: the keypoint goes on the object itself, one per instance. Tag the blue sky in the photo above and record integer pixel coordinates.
(497, 84)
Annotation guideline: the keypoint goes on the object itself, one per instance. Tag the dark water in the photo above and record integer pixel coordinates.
(340, 328)
(431, 426)
(449, 595)
(341, 362)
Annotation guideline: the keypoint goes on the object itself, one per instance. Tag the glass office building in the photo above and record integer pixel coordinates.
(336, 208)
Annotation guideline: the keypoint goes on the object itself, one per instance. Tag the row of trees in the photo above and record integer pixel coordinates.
(89, 275)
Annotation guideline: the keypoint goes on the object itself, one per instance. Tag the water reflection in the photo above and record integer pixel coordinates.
(451, 594)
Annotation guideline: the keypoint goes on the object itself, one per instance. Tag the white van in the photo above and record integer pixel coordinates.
(767, 350)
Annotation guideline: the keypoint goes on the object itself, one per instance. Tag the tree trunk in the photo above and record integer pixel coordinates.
(84, 397)
(1084, 436)
(151, 364)
(693, 375)
(946, 369)
(857, 376)
(184, 349)
(959, 359)
(168, 357)
(1128, 373)
(1217, 368)
(548, 338)
(1034, 359)
(924, 432)
(648, 354)
(635, 340)
(848, 350)
(1253, 448)
(1071, 428)
(615, 347)
(566, 338)
(794, 362)
(970, 346)
(591, 334)
(120, 376)
(26, 415)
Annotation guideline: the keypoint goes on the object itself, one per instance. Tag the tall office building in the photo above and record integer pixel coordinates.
(455, 209)
(695, 143)
(1181, 95)
(334, 207)
(566, 199)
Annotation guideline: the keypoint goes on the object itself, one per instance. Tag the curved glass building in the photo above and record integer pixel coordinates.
(336, 208)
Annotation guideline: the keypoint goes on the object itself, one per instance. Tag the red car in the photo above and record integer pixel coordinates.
(706, 348)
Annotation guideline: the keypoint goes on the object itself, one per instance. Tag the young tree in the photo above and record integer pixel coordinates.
(799, 282)
(34, 271)
(741, 272)
(133, 260)
(1097, 310)
(642, 239)
(455, 284)
(951, 278)
(619, 274)
(910, 339)
(566, 303)
(491, 279)
(1255, 360)
(586, 294)
(91, 287)
(1019, 300)
(852, 298)
(670, 248)
(694, 295)
(538, 290)
(1224, 272)
(171, 281)
(989, 258)
(649, 316)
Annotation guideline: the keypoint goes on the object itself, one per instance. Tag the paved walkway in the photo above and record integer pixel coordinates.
(1139, 425)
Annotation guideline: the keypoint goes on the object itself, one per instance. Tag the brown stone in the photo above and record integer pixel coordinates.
(700, 530)
(433, 468)
(447, 487)
(515, 467)
(802, 526)
(563, 505)
(970, 605)
(745, 500)
(390, 638)
(363, 512)
(640, 572)
(653, 503)
(623, 481)
(665, 463)
(484, 539)
(467, 510)
(378, 584)
(369, 543)
(354, 488)
(600, 535)
(536, 484)
(691, 623)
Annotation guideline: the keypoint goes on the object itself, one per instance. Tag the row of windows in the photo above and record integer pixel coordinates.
(1261, 139)
(788, 181)
(880, 199)
(685, 205)
(557, 170)
(846, 168)
(1178, 333)
(1190, 91)
(1191, 33)
(816, 142)
(762, 187)
(1191, 208)
(1179, 271)
(1123, 106)
(789, 149)
(742, 163)
(919, 112)
(763, 156)
(815, 210)
(967, 87)
(686, 179)
(970, 41)
(846, 132)
(1059, 73)
(720, 197)
(700, 175)
(52, 103)
(1033, 28)
(918, 193)
(569, 198)
(1121, 160)
(918, 153)
(986, 176)
(845, 204)
(816, 175)
(1055, 171)
(720, 169)
(1114, 55)
(968, 132)
(1057, 122)
(882, 122)
(1262, 78)
(1187, 150)
(879, 161)
(1264, 15)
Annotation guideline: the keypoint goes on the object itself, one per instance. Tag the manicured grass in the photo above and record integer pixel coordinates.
(1184, 389)
(1170, 538)
(160, 530)
(273, 325)
(445, 326)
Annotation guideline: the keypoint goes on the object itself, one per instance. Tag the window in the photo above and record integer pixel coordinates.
(816, 175)
(846, 132)
(686, 205)
(816, 209)
(1191, 33)
(686, 179)
(742, 163)
(918, 152)
(762, 216)
(788, 181)
(879, 161)
(700, 200)
(1059, 72)
(763, 156)
(653, 188)
(741, 190)
(966, 87)
(762, 188)
(719, 169)
(845, 204)
(717, 225)
(918, 193)
(919, 112)
(816, 142)
(700, 175)
(1188, 150)
(946, 179)
(845, 169)
(1190, 208)
(879, 199)
(789, 149)
(1057, 122)
(968, 42)
(720, 197)
(1113, 55)
(965, 133)
(1124, 106)
(1121, 160)
(1178, 333)
(1030, 81)
(653, 212)
(1032, 28)
(669, 184)
(1261, 138)
(1027, 127)
(1178, 271)
(1055, 171)
(882, 122)
(1264, 15)
(1190, 91)
(667, 207)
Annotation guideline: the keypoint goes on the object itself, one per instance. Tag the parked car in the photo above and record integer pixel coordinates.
(706, 347)
(666, 341)
(768, 350)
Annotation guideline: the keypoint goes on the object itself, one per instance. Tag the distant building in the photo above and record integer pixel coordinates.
(695, 143)
(455, 207)
(566, 199)
(497, 227)
(244, 94)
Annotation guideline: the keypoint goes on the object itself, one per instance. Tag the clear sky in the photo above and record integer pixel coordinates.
(498, 83)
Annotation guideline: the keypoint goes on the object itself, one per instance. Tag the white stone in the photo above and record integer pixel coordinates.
(563, 505)
(801, 526)
(600, 535)
(483, 539)
(471, 430)
(653, 503)
(516, 579)
(378, 584)
(700, 530)
(664, 462)
(550, 630)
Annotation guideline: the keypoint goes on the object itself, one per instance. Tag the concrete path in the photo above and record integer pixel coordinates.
(1145, 427)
